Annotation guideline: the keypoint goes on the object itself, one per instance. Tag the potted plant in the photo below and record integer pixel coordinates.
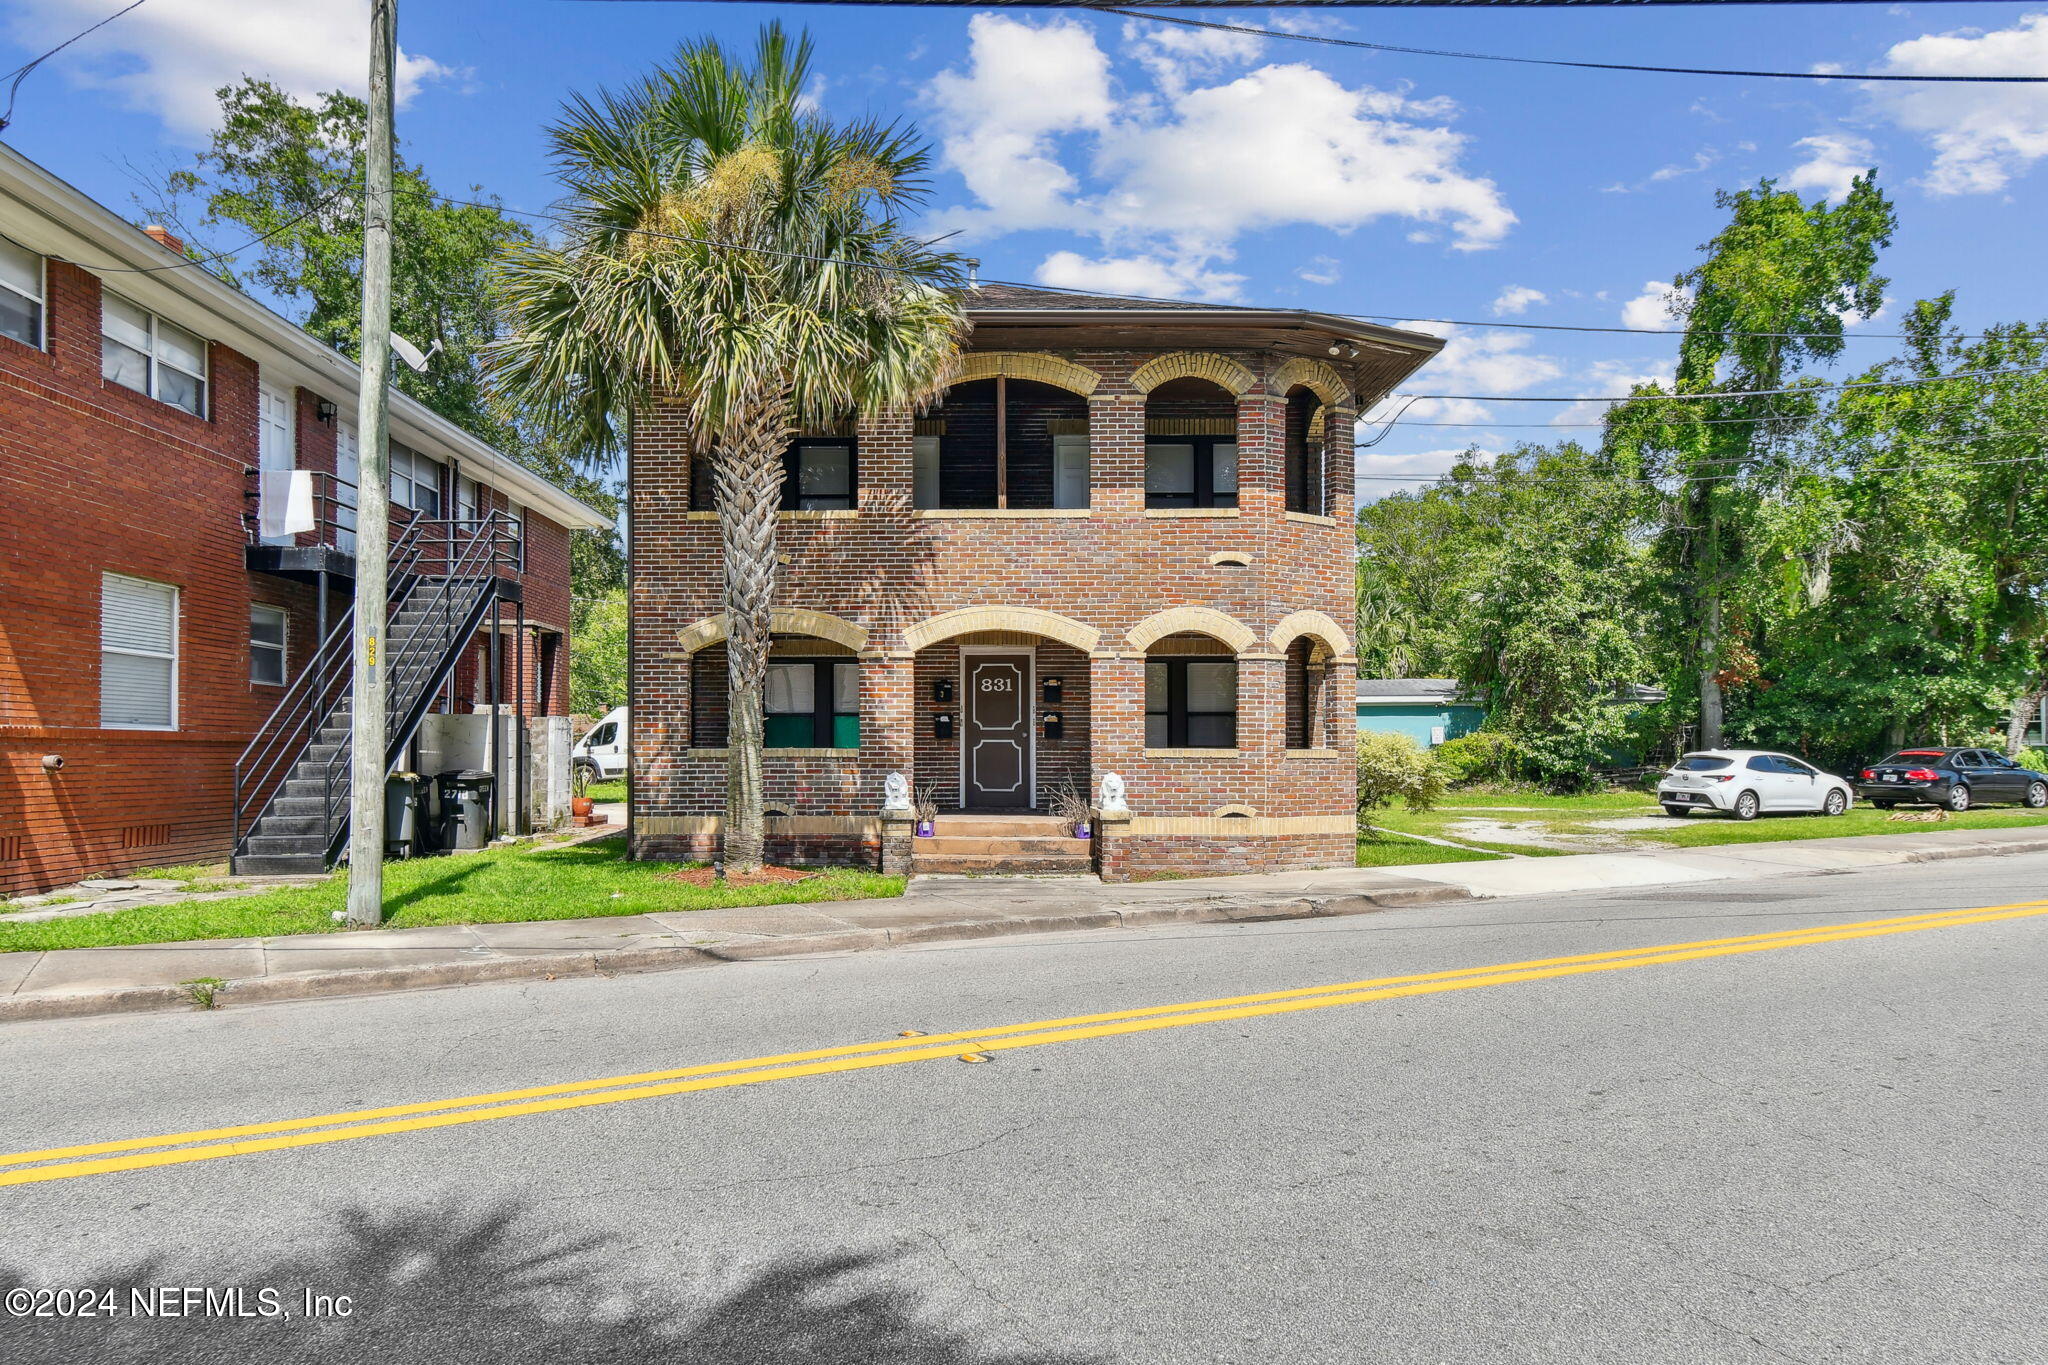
(926, 808)
(1070, 808)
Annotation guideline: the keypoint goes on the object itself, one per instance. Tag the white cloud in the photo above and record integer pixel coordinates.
(1610, 379)
(1147, 276)
(1516, 299)
(168, 57)
(1024, 87)
(1293, 145)
(1477, 363)
(1701, 160)
(1380, 474)
(1168, 178)
(1833, 160)
(1982, 135)
(1321, 270)
(1651, 309)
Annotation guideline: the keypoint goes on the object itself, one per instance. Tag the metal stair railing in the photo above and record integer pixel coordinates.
(310, 700)
(459, 591)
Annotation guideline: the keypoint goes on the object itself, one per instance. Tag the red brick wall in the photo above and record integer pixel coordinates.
(887, 569)
(95, 478)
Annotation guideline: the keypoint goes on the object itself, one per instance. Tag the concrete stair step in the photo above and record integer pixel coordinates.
(1043, 864)
(951, 845)
(276, 865)
(287, 845)
(1000, 826)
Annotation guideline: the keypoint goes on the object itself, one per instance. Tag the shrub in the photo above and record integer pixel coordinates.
(1482, 756)
(1395, 768)
(2037, 759)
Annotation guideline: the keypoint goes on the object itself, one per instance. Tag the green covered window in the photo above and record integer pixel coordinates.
(812, 704)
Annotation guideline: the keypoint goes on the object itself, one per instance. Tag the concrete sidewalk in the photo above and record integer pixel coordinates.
(87, 981)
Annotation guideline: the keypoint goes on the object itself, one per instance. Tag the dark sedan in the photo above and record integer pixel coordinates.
(1955, 778)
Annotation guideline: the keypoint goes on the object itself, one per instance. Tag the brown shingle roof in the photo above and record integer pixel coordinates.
(1017, 296)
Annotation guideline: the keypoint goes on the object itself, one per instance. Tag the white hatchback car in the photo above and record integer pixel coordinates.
(1748, 782)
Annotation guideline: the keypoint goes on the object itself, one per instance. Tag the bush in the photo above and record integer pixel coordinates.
(1395, 768)
(1482, 756)
(2037, 759)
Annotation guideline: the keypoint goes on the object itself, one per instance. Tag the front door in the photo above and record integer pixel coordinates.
(996, 750)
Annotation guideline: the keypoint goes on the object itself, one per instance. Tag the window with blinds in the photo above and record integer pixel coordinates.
(138, 654)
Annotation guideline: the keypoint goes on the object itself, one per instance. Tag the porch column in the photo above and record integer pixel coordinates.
(1262, 455)
(888, 744)
(1340, 470)
(1116, 744)
(1261, 730)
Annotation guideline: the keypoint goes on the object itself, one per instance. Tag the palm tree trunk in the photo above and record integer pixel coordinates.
(747, 475)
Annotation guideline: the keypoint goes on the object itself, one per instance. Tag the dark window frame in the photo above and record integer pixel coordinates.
(1177, 713)
(823, 713)
(792, 489)
(1204, 494)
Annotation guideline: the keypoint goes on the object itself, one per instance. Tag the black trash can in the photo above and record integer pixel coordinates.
(466, 809)
(403, 795)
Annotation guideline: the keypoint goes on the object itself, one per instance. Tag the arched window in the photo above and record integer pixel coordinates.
(1190, 445)
(811, 699)
(1190, 694)
(1004, 442)
(1304, 450)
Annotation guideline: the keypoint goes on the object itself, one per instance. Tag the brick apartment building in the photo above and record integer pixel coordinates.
(151, 633)
(1121, 543)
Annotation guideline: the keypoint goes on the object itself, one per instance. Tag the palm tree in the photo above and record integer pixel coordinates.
(729, 249)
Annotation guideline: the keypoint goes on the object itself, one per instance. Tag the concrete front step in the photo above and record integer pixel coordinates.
(1040, 864)
(1000, 827)
(279, 865)
(951, 845)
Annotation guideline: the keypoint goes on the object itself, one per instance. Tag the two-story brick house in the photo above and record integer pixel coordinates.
(1121, 543)
(154, 623)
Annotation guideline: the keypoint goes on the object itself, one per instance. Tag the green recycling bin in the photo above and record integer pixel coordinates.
(402, 795)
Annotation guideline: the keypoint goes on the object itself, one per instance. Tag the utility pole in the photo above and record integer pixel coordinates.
(373, 532)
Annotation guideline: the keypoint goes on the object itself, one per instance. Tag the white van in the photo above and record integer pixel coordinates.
(600, 756)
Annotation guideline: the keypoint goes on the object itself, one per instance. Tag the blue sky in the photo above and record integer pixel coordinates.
(1093, 151)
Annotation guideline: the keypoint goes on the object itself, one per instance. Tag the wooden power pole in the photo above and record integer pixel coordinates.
(373, 533)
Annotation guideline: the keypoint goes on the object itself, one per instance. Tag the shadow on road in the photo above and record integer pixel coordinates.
(442, 1284)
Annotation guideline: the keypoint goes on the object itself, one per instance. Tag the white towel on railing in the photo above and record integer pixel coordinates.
(284, 504)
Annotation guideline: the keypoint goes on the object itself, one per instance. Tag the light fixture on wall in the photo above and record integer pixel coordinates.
(325, 411)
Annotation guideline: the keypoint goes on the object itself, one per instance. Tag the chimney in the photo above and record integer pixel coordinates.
(162, 236)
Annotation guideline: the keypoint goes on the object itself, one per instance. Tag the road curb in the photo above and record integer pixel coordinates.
(540, 966)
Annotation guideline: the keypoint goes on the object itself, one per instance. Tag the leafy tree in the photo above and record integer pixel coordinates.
(731, 250)
(598, 668)
(1769, 298)
(289, 176)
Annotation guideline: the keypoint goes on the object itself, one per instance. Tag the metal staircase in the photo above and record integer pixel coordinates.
(292, 783)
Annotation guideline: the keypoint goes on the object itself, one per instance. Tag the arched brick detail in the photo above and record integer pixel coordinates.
(1314, 624)
(817, 625)
(1195, 620)
(1237, 810)
(1192, 365)
(1320, 378)
(1046, 369)
(1030, 620)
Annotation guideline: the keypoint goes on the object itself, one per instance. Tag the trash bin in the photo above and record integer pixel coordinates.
(401, 814)
(466, 809)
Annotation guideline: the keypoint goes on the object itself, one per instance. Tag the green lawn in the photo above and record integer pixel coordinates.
(615, 790)
(495, 886)
(1569, 818)
(1379, 848)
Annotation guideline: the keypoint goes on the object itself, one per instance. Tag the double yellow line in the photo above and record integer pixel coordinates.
(209, 1144)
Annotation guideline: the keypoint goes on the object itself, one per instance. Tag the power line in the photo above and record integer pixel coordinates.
(1590, 477)
(1735, 393)
(20, 73)
(1327, 41)
(1408, 317)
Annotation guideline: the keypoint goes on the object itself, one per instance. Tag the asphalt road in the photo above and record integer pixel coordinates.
(1830, 1149)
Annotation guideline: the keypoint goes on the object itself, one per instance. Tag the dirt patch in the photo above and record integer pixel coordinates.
(769, 875)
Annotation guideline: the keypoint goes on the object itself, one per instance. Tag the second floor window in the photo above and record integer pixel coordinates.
(266, 645)
(141, 351)
(21, 294)
(415, 481)
(818, 475)
(468, 505)
(1191, 471)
